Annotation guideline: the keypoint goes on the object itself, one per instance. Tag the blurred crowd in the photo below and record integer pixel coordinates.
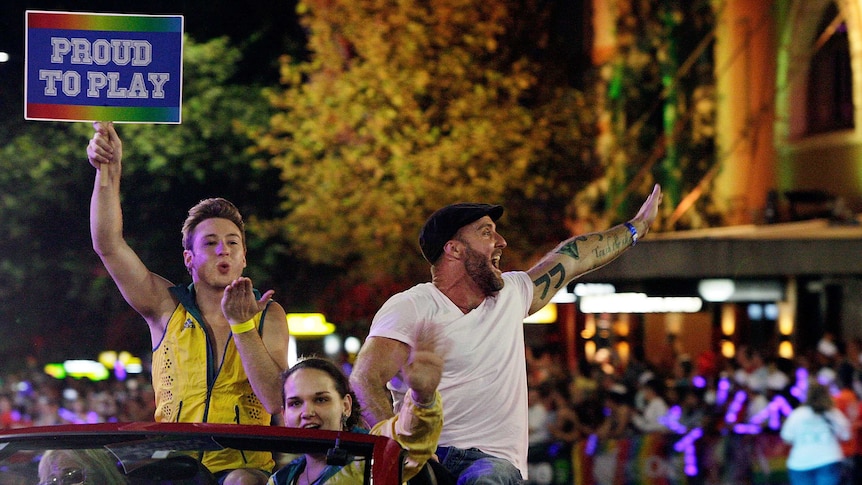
(747, 394)
(751, 393)
(33, 398)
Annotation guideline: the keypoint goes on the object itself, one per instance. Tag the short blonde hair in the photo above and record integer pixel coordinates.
(215, 208)
(98, 465)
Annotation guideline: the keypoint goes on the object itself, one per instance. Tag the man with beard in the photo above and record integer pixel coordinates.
(476, 312)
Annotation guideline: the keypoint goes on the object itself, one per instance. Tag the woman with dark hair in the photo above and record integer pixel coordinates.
(814, 430)
(317, 395)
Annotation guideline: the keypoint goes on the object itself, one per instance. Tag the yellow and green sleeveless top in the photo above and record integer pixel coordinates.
(191, 387)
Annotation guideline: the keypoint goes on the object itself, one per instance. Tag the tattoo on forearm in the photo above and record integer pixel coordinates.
(601, 254)
(615, 245)
(545, 279)
(571, 248)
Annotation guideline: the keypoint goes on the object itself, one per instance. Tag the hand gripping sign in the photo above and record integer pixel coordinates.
(88, 66)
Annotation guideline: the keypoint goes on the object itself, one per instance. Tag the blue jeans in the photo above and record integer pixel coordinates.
(823, 475)
(472, 466)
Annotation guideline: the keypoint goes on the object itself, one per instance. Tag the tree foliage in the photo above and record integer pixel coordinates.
(404, 106)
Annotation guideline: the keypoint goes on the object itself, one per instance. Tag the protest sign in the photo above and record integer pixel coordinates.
(92, 66)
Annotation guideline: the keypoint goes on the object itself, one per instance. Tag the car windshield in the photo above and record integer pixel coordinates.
(169, 453)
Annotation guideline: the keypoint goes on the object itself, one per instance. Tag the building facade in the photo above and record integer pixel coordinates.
(788, 123)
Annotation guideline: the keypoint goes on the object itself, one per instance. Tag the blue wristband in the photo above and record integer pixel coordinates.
(634, 232)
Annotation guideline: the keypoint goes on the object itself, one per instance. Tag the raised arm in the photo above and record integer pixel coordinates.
(146, 292)
(264, 357)
(582, 254)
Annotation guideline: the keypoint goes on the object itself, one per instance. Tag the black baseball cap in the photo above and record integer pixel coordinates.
(445, 222)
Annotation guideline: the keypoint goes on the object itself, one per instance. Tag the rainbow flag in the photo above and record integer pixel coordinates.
(103, 67)
(650, 459)
(639, 460)
(770, 463)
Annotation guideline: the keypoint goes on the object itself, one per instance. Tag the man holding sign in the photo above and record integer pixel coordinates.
(218, 349)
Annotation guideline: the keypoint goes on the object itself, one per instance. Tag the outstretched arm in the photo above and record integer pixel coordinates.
(264, 357)
(582, 254)
(146, 292)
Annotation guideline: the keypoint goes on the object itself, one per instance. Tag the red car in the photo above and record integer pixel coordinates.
(166, 453)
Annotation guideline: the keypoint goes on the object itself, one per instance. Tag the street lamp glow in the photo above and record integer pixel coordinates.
(4, 57)
(352, 345)
(716, 290)
(309, 325)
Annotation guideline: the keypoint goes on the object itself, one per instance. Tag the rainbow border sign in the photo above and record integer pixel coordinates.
(103, 67)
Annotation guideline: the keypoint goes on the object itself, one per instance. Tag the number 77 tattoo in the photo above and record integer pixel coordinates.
(545, 279)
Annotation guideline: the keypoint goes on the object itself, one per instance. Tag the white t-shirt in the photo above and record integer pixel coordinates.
(484, 383)
(814, 438)
(538, 418)
(650, 420)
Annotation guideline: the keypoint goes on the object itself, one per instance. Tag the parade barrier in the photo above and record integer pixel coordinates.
(663, 459)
